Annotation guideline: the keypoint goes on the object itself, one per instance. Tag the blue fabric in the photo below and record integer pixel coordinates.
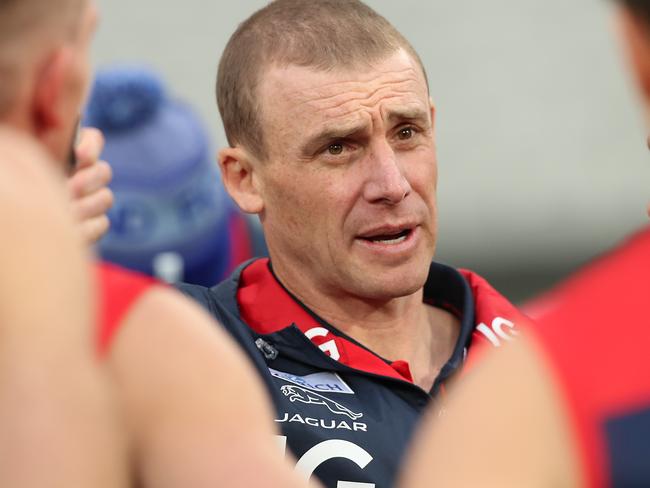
(628, 445)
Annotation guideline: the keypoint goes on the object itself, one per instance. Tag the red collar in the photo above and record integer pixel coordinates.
(267, 308)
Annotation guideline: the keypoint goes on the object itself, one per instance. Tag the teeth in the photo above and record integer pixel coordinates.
(391, 240)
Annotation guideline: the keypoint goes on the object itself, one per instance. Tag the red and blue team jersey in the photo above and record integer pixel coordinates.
(117, 291)
(596, 334)
(347, 414)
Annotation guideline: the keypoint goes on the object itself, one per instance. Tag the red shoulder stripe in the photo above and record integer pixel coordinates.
(118, 290)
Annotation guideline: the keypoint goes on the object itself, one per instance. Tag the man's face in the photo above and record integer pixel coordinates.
(349, 184)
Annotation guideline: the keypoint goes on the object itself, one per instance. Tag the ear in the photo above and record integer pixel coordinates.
(432, 110)
(636, 39)
(49, 99)
(56, 100)
(240, 179)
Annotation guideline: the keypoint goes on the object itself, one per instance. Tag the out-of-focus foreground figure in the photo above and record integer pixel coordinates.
(179, 382)
(569, 405)
(57, 426)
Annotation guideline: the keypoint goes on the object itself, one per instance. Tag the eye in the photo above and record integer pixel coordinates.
(335, 149)
(405, 133)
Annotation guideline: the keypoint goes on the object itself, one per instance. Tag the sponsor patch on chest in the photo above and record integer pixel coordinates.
(324, 382)
(323, 423)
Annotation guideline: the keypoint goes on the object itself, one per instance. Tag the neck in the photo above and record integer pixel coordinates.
(18, 119)
(399, 328)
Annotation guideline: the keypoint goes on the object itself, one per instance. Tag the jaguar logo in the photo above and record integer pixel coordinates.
(298, 394)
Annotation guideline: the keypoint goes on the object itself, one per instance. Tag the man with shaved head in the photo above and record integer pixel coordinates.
(175, 378)
(352, 327)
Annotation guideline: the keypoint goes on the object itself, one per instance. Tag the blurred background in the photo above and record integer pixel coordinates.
(542, 154)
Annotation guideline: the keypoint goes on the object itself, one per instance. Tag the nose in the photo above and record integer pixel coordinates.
(386, 182)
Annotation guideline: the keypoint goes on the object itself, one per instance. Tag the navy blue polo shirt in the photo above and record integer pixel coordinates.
(346, 414)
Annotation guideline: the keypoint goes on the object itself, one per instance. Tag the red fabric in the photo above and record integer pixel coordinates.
(241, 248)
(268, 308)
(596, 338)
(118, 290)
(494, 313)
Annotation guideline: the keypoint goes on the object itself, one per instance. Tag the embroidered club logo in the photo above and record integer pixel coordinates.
(298, 394)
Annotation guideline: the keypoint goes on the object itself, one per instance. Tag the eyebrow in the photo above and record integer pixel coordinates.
(332, 133)
(415, 113)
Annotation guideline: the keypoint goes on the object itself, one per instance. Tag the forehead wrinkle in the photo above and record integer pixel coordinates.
(336, 89)
(404, 96)
(397, 106)
(361, 80)
(366, 99)
(396, 102)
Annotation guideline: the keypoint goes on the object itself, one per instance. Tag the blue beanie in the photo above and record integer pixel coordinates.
(171, 211)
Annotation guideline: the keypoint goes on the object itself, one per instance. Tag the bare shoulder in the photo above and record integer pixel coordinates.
(164, 325)
(196, 412)
(164, 318)
(507, 419)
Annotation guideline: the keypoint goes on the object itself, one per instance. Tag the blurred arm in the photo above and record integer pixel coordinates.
(504, 426)
(196, 411)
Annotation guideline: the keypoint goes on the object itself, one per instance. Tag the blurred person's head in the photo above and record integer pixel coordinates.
(635, 28)
(327, 112)
(171, 217)
(45, 68)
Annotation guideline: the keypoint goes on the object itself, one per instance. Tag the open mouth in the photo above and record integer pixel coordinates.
(389, 239)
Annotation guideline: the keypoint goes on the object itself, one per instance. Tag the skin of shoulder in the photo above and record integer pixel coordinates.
(58, 427)
(504, 426)
(43, 245)
(196, 413)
